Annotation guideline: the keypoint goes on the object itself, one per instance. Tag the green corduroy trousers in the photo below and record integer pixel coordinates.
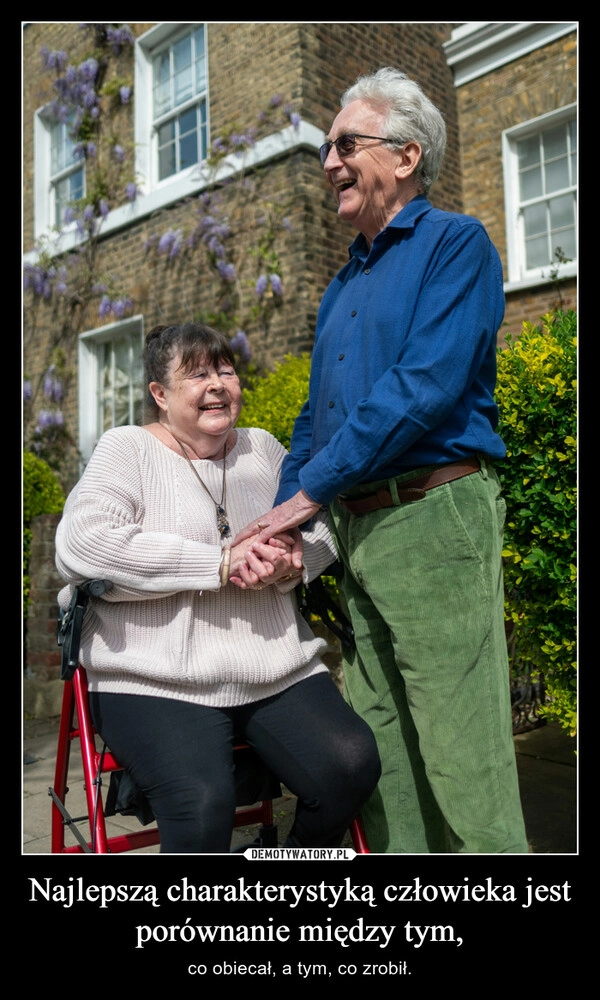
(423, 588)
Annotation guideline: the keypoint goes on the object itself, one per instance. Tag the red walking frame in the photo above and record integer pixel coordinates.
(76, 724)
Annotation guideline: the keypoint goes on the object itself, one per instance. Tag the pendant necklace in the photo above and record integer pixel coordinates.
(222, 522)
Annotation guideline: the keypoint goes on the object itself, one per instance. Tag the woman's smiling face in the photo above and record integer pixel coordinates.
(201, 403)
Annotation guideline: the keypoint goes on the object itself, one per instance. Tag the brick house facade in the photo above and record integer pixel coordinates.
(483, 82)
(508, 75)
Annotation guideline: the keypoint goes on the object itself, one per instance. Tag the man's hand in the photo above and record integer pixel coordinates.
(281, 519)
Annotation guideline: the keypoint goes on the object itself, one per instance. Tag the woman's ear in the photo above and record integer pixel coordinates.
(157, 391)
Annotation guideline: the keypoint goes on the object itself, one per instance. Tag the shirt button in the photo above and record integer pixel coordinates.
(367, 270)
(331, 404)
(353, 313)
(340, 357)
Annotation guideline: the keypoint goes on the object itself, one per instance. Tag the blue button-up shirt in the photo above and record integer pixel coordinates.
(404, 362)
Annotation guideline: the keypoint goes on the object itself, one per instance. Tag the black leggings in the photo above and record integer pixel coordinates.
(181, 756)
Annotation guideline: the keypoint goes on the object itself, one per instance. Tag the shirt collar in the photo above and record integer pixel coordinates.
(406, 218)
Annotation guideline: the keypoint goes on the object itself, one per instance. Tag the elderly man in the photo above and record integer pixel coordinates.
(398, 438)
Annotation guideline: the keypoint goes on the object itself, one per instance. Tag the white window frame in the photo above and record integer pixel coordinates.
(89, 375)
(518, 274)
(146, 141)
(44, 191)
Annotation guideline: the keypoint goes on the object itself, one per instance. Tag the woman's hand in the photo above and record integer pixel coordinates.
(256, 564)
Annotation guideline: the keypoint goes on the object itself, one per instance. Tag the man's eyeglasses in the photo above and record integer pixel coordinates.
(346, 144)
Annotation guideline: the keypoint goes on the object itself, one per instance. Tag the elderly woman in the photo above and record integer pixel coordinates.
(199, 638)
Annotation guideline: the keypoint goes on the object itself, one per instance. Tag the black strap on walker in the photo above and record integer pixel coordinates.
(68, 627)
(314, 599)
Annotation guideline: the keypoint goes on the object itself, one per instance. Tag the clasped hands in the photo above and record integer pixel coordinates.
(270, 549)
(256, 564)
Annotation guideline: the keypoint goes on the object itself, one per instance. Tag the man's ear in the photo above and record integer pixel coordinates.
(409, 158)
(157, 392)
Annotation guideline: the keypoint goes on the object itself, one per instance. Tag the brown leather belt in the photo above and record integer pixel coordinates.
(412, 489)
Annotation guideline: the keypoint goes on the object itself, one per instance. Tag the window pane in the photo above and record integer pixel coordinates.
(555, 142)
(76, 185)
(182, 59)
(121, 393)
(61, 200)
(528, 151)
(567, 242)
(162, 84)
(188, 121)
(534, 218)
(166, 162)
(536, 252)
(188, 151)
(166, 149)
(557, 175)
(561, 212)
(531, 184)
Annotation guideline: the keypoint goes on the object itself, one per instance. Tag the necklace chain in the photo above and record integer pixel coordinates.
(222, 522)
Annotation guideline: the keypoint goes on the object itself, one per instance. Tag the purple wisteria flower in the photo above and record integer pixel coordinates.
(88, 71)
(131, 191)
(53, 59)
(119, 153)
(218, 146)
(295, 119)
(118, 37)
(105, 307)
(121, 306)
(53, 385)
(261, 286)
(240, 344)
(226, 271)
(38, 280)
(168, 241)
(27, 391)
(90, 98)
(49, 418)
(103, 208)
(124, 94)
(276, 284)
(215, 246)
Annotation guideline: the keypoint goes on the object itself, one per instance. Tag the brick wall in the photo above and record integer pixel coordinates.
(42, 653)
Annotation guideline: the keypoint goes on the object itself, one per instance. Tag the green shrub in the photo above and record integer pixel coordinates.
(274, 401)
(42, 494)
(537, 396)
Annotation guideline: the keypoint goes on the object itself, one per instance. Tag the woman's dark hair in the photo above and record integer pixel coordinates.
(196, 343)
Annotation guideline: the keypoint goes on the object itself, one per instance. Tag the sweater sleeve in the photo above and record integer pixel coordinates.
(102, 532)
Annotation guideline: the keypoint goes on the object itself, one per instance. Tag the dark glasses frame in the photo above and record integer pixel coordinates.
(346, 144)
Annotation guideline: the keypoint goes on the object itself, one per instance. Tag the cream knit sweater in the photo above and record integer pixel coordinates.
(140, 518)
